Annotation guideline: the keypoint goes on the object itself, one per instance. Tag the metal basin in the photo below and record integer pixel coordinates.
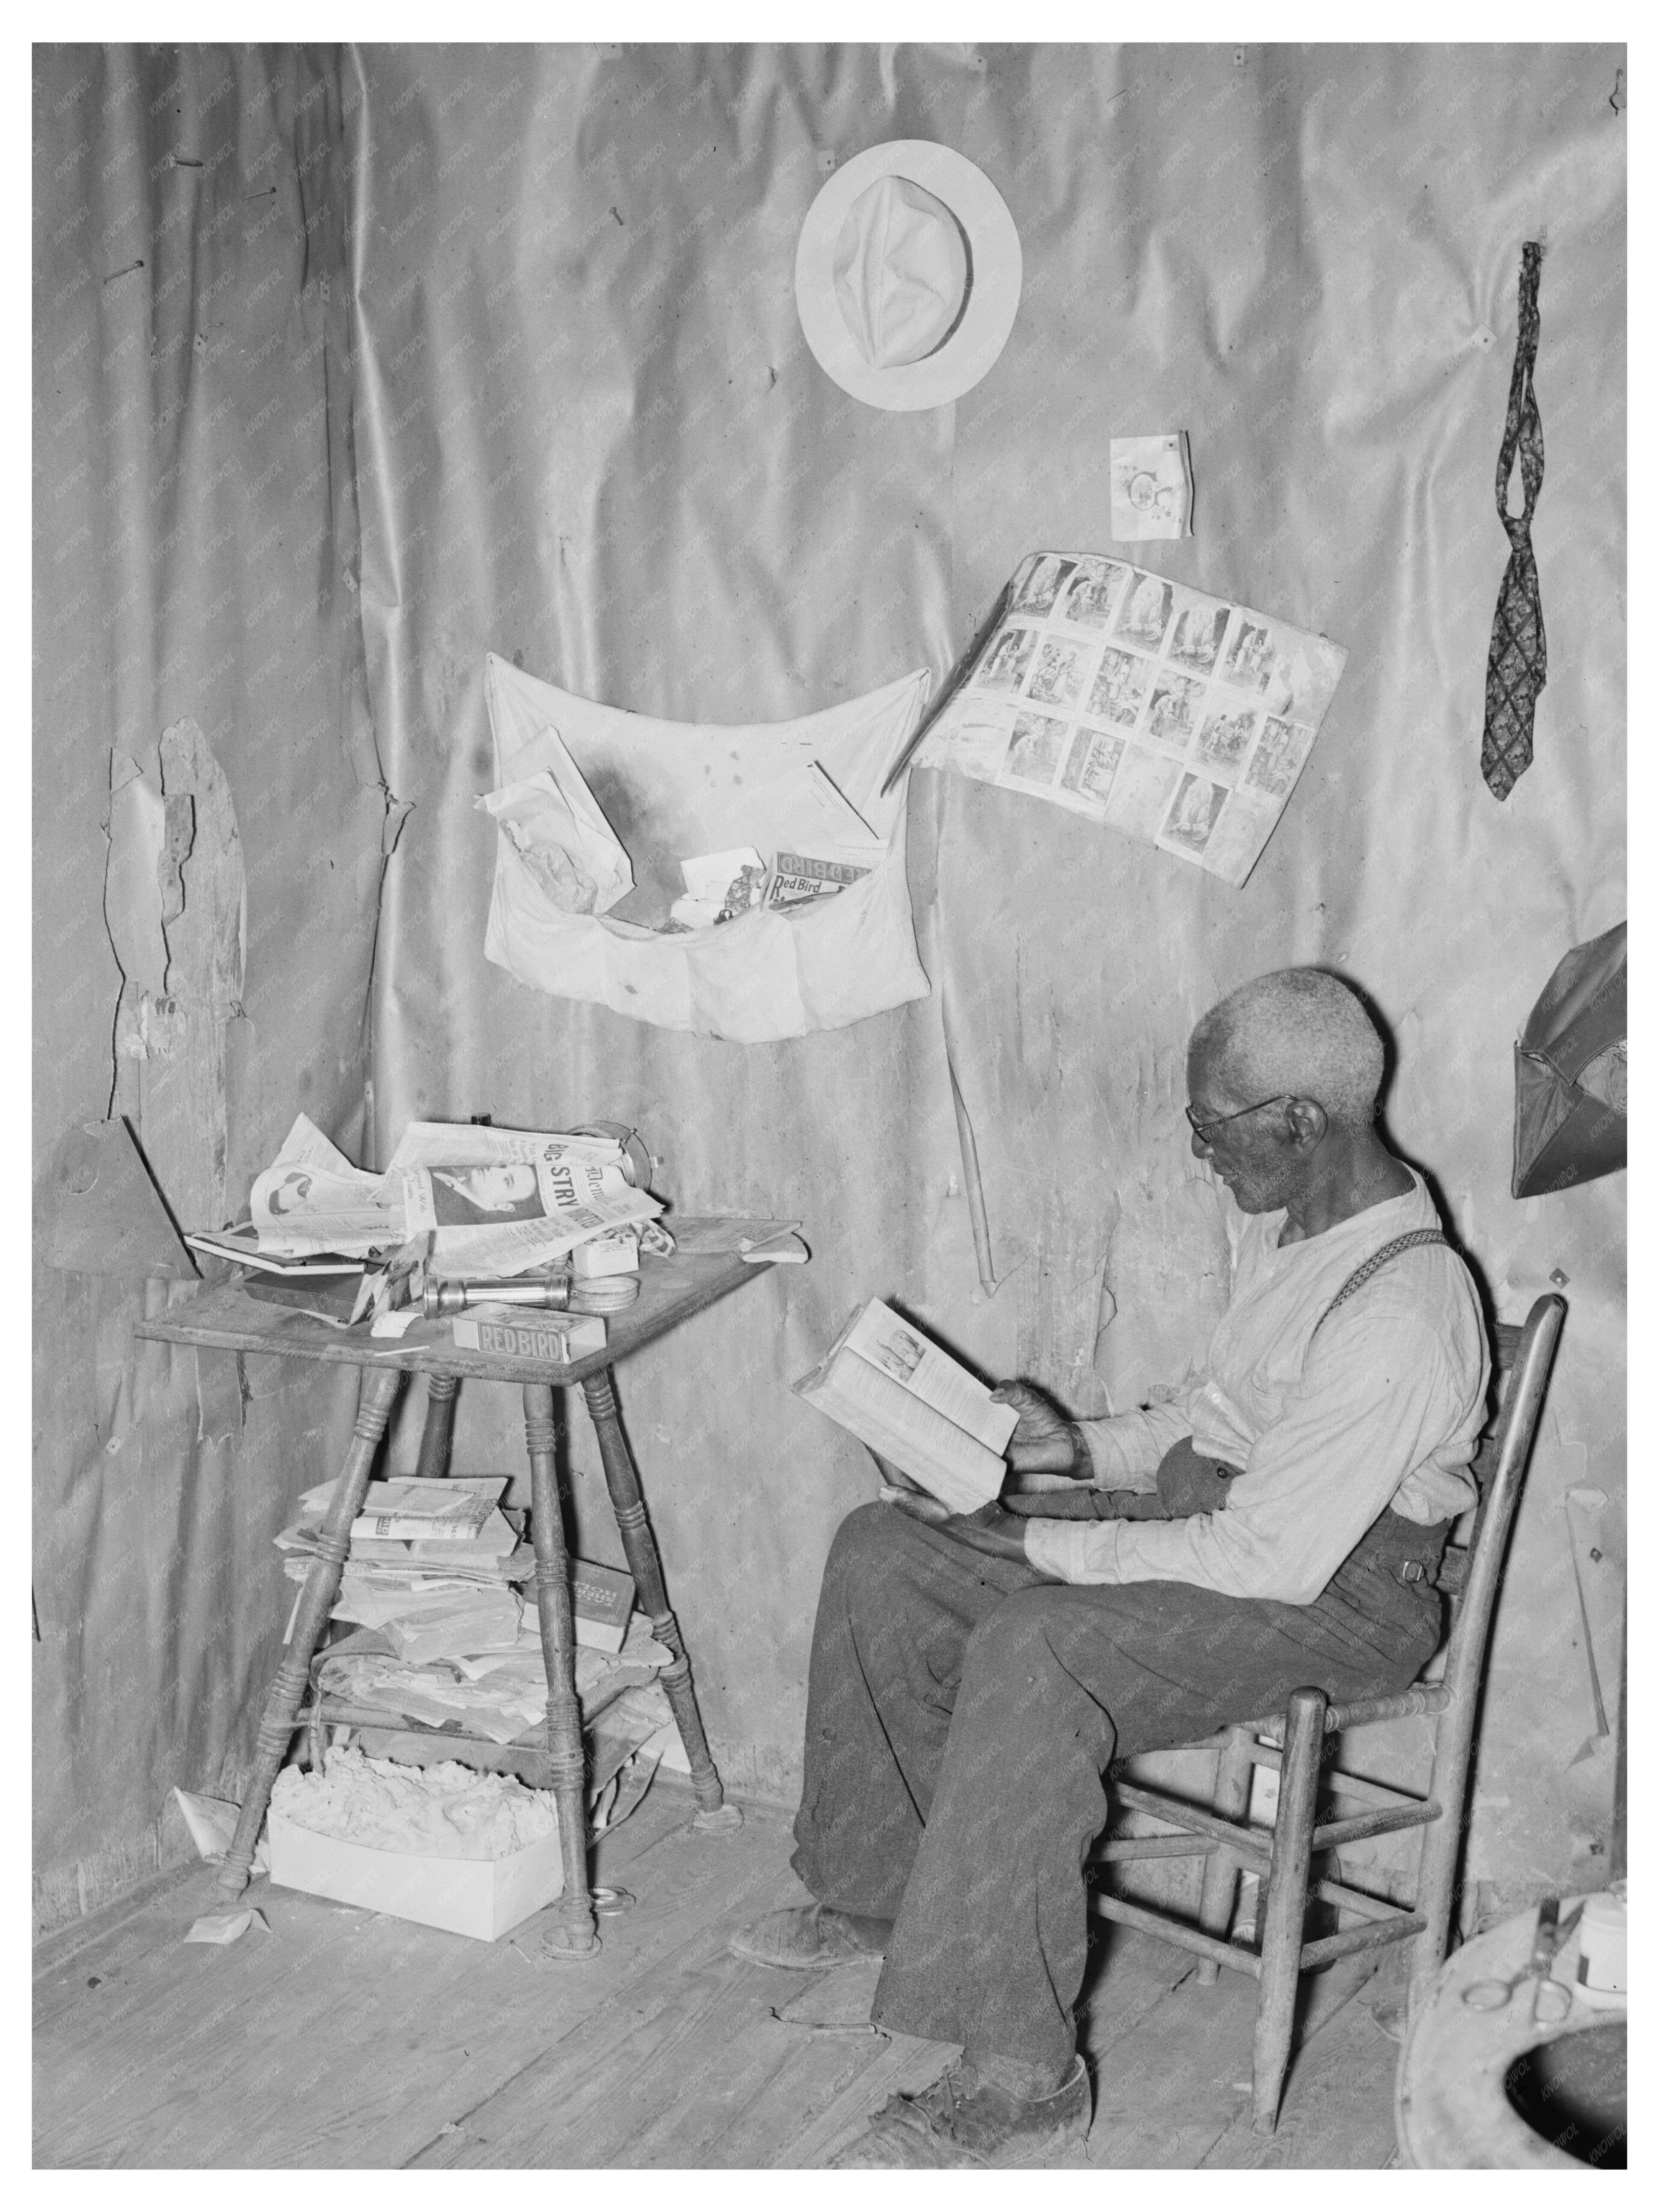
(1571, 2092)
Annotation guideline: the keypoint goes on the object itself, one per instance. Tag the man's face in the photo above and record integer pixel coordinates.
(500, 1187)
(1254, 1156)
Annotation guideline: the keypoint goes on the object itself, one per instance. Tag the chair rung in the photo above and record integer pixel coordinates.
(1361, 1939)
(1370, 1793)
(1355, 1901)
(1176, 1932)
(1251, 1845)
(1117, 1848)
(1339, 1784)
(1422, 1698)
(1331, 1834)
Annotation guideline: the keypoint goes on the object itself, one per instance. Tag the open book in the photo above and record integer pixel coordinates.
(911, 1402)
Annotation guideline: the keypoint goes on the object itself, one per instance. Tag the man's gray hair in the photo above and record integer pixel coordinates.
(1301, 1032)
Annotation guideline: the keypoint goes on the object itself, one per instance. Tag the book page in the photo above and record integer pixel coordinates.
(932, 1450)
(898, 1348)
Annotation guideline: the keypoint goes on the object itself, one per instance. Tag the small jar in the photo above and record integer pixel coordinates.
(1599, 1977)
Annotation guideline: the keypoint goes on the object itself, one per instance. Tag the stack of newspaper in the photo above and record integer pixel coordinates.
(429, 1575)
(502, 1695)
(493, 1201)
(432, 1563)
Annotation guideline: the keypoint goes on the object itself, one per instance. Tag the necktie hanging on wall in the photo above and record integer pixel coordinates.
(1517, 665)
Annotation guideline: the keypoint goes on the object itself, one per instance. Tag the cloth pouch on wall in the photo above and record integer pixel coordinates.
(665, 792)
(1570, 1110)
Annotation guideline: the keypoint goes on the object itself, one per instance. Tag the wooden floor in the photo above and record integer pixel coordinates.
(344, 2039)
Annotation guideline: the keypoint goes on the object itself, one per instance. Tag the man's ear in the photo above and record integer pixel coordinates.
(1309, 1120)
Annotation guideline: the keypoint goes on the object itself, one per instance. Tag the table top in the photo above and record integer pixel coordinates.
(705, 1266)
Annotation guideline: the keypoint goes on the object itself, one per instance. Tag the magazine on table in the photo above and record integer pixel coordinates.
(897, 1392)
(1161, 711)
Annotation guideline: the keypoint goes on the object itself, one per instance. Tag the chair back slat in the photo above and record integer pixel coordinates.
(1498, 1470)
(1455, 1567)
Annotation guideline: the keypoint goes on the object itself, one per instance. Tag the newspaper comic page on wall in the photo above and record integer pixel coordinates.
(745, 881)
(1161, 711)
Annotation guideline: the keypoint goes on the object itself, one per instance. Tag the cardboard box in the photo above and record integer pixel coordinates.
(484, 1898)
(618, 1254)
(544, 1338)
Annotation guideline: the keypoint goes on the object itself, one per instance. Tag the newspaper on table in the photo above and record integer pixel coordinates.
(1159, 710)
(497, 1202)
(502, 1201)
(311, 1199)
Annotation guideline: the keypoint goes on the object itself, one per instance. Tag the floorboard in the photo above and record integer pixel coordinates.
(344, 2039)
(1171, 2088)
(1339, 2109)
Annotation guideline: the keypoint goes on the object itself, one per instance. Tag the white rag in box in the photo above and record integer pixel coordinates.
(474, 1853)
(564, 918)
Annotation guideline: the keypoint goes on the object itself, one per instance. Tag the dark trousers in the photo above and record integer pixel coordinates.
(962, 1713)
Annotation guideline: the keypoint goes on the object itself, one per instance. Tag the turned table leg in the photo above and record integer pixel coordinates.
(322, 1587)
(623, 1480)
(573, 1935)
(438, 1427)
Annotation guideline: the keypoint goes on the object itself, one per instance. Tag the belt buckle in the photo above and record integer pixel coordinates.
(1412, 1571)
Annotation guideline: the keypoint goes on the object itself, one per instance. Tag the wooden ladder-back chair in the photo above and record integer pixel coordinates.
(1294, 1743)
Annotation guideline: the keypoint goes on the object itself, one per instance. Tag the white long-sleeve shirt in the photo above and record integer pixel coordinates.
(1383, 1408)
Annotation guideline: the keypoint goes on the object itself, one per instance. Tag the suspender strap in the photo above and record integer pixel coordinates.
(1362, 1273)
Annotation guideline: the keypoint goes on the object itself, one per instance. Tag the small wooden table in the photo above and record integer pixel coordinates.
(705, 1266)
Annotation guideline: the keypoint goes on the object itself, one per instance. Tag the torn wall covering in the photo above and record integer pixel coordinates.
(587, 433)
(207, 862)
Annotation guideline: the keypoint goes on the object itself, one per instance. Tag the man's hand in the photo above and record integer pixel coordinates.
(1044, 1442)
(990, 1529)
(921, 1505)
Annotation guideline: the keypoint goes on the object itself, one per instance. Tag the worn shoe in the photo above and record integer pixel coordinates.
(810, 1936)
(964, 2122)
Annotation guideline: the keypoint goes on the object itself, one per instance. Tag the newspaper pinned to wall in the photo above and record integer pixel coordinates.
(1157, 709)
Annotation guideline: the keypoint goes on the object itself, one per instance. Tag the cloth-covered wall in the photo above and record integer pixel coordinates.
(590, 436)
(197, 674)
(349, 372)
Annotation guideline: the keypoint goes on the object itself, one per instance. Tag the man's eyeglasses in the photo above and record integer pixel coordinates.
(1202, 1129)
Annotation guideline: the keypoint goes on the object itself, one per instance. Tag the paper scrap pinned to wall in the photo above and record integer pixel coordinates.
(1161, 711)
(1151, 487)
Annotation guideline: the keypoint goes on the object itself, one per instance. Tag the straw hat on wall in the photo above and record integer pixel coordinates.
(908, 275)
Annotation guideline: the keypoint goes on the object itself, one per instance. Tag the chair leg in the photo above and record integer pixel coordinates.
(1437, 1866)
(1286, 1904)
(1234, 1769)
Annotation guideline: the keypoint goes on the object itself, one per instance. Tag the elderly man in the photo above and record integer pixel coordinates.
(1277, 1521)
